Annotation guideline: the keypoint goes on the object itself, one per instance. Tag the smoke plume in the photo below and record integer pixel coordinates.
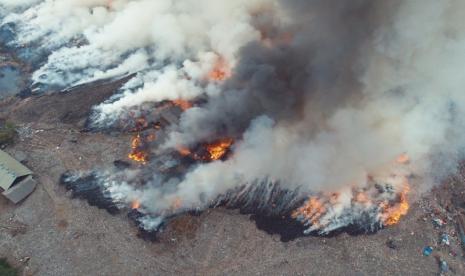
(339, 102)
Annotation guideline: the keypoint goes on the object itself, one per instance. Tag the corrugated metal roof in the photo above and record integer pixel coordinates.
(10, 169)
(21, 190)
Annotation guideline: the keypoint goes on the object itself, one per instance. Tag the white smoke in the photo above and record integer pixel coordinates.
(404, 92)
(166, 41)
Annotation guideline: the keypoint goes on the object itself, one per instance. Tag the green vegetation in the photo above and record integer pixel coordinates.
(6, 269)
(7, 134)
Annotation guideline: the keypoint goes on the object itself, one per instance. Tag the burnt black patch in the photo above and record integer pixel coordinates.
(273, 215)
(90, 189)
(147, 235)
(285, 226)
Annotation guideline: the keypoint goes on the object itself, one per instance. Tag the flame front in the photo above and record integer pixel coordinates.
(184, 151)
(183, 104)
(220, 71)
(209, 151)
(135, 204)
(392, 214)
(312, 210)
(218, 150)
(176, 204)
(137, 154)
(403, 159)
(386, 203)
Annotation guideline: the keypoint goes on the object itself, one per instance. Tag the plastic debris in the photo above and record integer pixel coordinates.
(427, 251)
(438, 222)
(25, 259)
(443, 266)
(445, 240)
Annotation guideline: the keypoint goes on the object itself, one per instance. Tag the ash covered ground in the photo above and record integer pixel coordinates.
(52, 234)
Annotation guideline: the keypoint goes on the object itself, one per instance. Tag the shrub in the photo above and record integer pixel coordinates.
(7, 133)
(6, 269)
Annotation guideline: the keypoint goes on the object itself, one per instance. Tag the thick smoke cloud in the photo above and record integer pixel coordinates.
(338, 102)
(314, 71)
(322, 96)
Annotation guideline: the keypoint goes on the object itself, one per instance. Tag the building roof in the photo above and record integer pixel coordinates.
(10, 170)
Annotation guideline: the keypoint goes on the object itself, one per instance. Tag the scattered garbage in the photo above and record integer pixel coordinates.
(438, 222)
(25, 132)
(25, 259)
(445, 240)
(427, 250)
(443, 266)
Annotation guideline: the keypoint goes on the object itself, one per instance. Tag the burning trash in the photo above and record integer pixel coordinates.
(137, 152)
(135, 204)
(220, 71)
(218, 149)
(392, 214)
(208, 152)
(287, 109)
(383, 207)
(184, 105)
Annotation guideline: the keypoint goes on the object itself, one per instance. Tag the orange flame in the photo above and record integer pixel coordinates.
(136, 153)
(176, 204)
(390, 211)
(183, 104)
(135, 204)
(403, 159)
(220, 72)
(184, 151)
(218, 150)
(210, 152)
(362, 198)
(393, 214)
(317, 206)
(312, 210)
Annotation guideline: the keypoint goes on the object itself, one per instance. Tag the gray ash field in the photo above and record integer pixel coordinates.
(52, 234)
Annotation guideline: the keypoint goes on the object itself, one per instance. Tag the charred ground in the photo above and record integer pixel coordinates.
(51, 233)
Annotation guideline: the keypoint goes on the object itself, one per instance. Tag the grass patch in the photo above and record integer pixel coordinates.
(7, 134)
(6, 269)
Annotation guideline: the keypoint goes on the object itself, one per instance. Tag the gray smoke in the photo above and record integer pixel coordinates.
(322, 97)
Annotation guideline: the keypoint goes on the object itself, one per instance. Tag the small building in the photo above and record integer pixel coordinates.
(16, 181)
